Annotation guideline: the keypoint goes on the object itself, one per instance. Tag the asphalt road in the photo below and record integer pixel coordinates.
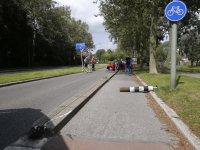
(22, 104)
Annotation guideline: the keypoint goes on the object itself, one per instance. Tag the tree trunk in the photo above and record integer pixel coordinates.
(152, 67)
(34, 39)
(141, 44)
(192, 62)
(169, 50)
(141, 55)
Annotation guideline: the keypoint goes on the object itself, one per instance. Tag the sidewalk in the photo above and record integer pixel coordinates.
(113, 120)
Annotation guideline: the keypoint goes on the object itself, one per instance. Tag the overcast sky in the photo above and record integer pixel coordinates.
(85, 10)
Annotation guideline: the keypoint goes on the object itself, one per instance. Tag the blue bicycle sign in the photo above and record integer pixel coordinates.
(80, 45)
(175, 10)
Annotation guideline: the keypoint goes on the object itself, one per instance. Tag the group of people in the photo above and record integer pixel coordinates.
(119, 64)
(87, 62)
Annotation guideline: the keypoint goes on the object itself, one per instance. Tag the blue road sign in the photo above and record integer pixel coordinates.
(80, 45)
(175, 11)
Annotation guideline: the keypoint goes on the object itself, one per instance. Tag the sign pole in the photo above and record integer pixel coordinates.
(80, 46)
(81, 60)
(174, 11)
(173, 55)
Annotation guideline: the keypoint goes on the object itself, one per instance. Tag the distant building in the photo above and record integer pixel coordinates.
(112, 50)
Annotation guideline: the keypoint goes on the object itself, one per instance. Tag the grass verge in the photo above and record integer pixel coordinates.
(188, 68)
(184, 99)
(41, 74)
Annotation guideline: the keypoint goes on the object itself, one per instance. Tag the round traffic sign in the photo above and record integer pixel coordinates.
(175, 11)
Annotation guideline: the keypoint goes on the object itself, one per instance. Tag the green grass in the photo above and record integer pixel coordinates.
(40, 74)
(188, 68)
(184, 99)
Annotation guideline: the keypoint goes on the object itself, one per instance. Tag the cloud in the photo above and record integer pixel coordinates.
(106, 46)
(85, 10)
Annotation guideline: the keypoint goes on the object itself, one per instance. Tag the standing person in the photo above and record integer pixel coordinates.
(115, 62)
(85, 66)
(120, 65)
(93, 61)
(128, 61)
(131, 64)
(88, 62)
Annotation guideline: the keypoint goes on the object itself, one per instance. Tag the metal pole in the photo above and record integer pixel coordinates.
(81, 60)
(173, 55)
(89, 62)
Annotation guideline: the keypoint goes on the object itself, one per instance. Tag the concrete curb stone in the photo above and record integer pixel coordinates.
(31, 80)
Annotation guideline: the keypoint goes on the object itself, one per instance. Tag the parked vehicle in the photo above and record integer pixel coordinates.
(112, 66)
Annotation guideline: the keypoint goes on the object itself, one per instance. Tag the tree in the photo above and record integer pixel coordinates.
(100, 53)
(161, 51)
(36, 10)
(189, 45)
(131, 34)
(197, 52)
(48, 32)
(14, 34)
(140, 13)
(106, 56)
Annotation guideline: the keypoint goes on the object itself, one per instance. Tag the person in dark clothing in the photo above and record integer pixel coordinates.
(88, 62)
(128, 61)
(120, 65)
(93, 61)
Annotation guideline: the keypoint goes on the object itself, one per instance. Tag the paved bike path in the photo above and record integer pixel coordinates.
(113, 120)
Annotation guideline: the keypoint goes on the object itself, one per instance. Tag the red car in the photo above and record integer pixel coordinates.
(112, 66)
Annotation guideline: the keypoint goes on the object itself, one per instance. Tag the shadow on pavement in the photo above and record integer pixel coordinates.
(17, 122)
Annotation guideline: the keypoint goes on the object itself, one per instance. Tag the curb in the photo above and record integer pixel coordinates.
(31, 80)
(59, 117)
(36, 79)
(182, 127)
(26, 69)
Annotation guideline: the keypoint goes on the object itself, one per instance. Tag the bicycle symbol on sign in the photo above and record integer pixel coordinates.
(175, 10)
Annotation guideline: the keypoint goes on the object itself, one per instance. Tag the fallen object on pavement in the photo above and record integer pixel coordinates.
(138, 89)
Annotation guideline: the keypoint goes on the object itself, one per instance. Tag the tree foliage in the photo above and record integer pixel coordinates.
(189, 45)
(139, 25)
(99, 53)
(40, 32)
(161, 51)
